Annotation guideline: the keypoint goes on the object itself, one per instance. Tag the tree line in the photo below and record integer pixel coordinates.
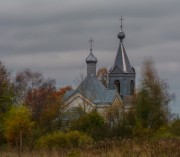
(31, 112)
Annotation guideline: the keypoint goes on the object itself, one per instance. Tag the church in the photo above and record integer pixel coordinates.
(91, 94)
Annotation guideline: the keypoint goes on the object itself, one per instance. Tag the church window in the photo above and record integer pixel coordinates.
(131, 87)
(117, 85)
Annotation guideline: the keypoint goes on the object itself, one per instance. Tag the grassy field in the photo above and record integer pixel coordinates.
(107, 148)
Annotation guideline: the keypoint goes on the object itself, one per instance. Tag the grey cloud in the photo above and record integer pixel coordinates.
(52, 36)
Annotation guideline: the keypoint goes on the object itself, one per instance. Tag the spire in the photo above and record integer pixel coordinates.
(121, 59)
(122, 74)
(91, 61)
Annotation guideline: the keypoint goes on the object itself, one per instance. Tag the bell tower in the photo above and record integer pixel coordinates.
(122, 74)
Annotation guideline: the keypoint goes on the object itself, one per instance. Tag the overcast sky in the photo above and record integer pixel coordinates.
(51, 36)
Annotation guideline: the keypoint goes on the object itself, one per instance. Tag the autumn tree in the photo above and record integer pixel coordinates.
(18, 126)
(119, 122)
(102, 75)
(153, 98)
(40, 95)
(114, 115)
(53, 107)
(45, 103)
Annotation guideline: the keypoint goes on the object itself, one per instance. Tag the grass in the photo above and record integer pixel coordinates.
(108, 148)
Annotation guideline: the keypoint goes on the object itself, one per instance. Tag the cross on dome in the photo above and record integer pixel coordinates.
(91, 41)
(91, 58)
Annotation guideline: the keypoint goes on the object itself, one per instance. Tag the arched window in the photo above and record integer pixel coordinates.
(131, 87)
(117, 85)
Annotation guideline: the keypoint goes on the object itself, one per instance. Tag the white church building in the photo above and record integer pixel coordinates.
(91, 94)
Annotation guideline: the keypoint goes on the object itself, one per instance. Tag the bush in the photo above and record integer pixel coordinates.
(64, 140)
(175, 127)
(163, 133)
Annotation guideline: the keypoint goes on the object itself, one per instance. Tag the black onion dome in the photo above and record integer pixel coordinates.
(91, 58)
(121, 35)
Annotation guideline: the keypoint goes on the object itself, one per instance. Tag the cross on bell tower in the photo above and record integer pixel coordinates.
(121, 34)
(121, 19)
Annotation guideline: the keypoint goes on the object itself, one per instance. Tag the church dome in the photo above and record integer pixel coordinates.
(91, 58)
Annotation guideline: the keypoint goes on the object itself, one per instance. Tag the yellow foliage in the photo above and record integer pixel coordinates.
(17, 121)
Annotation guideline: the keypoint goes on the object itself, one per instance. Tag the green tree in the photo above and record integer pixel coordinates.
(91, 123)
(6, 96)
(6, 90)
(153, 99)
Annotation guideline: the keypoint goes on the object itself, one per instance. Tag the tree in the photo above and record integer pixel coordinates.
(114, 115)
(37, 99)
(53, 107)
(45, 104)
(153, 98)
(6, 89)
(6, 96)
(18, 126)
(102, 74)
(119, 122)
(25, 82)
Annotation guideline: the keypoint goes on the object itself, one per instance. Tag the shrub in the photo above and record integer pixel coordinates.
(64, 140)
(163, 133)
(175, 127)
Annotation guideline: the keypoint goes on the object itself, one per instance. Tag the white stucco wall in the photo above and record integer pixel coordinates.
(79, 101)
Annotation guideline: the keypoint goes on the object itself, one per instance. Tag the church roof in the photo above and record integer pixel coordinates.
(92, 89)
